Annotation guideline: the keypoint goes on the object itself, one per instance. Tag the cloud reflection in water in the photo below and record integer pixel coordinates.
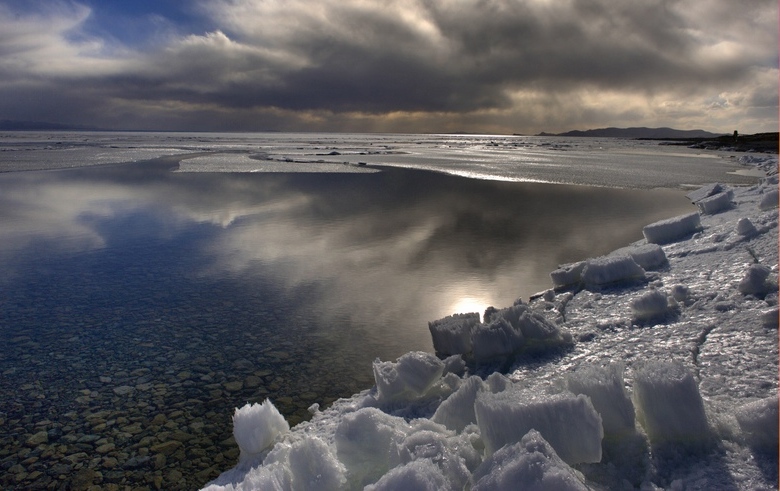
(378, 255)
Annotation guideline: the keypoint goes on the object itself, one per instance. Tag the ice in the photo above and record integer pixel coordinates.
(745, 227)
(756, 281)
(530, 464)
(452, 334)
(568, 422)
(494, 340)
(680, 293)
(707, 374)
(715, 203)
(409, 377)
(419, 475)
(367, 443)
(504, 333)
(649, 256)
(453, 455)
(313, 466)
(608, 270)
(604, 386)
(650, 305)
(758, 421)
(256, 427)
(668, 404)
(770, 318)
(705, 192)
(457, 411)
(567, 275)
(769, 200)
(672, 229)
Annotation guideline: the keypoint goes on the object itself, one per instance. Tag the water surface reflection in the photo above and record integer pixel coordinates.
(205, 291)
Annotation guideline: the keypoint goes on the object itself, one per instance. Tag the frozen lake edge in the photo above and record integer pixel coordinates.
(719, 328)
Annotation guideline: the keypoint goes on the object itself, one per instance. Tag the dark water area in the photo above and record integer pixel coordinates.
(140, 306)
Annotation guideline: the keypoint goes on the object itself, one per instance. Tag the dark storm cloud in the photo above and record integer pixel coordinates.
(432, 59)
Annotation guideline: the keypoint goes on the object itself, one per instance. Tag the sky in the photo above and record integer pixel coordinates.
(482, 66)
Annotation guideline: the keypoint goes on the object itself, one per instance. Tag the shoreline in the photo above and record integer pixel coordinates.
(698, 327)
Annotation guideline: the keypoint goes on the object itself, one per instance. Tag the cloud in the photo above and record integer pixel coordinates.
(472, 64)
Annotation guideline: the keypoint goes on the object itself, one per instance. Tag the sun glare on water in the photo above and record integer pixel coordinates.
(465, 305)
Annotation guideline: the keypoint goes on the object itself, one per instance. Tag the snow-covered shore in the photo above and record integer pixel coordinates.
(653, 367)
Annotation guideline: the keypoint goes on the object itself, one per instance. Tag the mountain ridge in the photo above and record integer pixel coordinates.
(637, 132)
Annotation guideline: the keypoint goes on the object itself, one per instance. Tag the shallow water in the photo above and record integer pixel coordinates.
(141, 305)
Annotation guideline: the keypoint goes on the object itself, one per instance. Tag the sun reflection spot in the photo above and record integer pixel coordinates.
(465, 305)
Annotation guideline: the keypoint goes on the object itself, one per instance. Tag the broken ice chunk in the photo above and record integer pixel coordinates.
(649, 256)
(755, 280)
(669, 405)
(650, 305)
(409, 377)
(457, 411)
(607, 270)
(256, 428)
(604, 386)
(568, 274)
(759, 423)
(530, 463)
(452, 334)
(745, 227)
(569, 423)
(769, 200)
(672, 229)
(715, 203)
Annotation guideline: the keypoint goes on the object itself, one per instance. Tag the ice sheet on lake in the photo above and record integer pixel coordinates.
(250, 163)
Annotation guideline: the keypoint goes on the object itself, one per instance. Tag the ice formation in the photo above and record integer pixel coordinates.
(604, 386)
(650, 305)
(715, 203)
(529, 464)
(649, 256)
(567, 275)
(669, 405)
(758, 421)
(569, 423)
(507, 332)
(608, 270)
(408, 378)
(672, 229)
(256, 427)
(687, 402)
(452, 334)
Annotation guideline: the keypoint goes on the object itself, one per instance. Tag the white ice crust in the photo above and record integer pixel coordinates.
(668, 382)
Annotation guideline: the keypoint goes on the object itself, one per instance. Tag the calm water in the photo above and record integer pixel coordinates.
(130, 291)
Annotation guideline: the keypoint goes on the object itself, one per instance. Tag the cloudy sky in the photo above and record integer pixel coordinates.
(494, 66)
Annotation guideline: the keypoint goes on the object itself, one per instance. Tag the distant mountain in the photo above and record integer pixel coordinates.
(9, 125)
(655, 133)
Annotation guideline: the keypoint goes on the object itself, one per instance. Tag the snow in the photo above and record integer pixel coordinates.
(605, 400)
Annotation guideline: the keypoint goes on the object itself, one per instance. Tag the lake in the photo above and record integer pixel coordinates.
(142, 302)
